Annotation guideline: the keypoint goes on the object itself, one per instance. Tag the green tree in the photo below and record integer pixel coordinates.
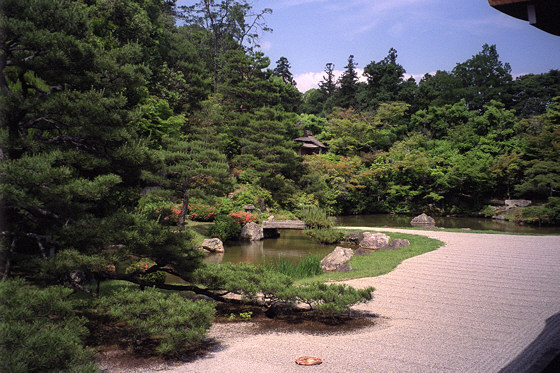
(282, 70)
(439, 89)
(313, 101)
(385, 81)
(348, 86)
(328, 85)
(483, 78)
(233, 25)
(533, 93)
(246, 84)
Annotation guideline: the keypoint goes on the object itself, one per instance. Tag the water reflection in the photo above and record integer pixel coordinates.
(398, 221)
(292, 245)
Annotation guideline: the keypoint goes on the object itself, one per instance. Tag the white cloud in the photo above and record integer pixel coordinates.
(307, 81)
(417, 77)
(265, 45)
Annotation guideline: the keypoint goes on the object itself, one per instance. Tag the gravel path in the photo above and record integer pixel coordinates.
(481, 303)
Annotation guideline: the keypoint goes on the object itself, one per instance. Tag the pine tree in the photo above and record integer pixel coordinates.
(328, 84)
(282, 70)
(348, 83)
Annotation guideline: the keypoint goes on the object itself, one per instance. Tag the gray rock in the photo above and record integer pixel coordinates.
(423, 219)
(511, 203)
(399, 242)
(213, 245)
(337, 259)
(252, 232)
(354, 237)
(374, 241)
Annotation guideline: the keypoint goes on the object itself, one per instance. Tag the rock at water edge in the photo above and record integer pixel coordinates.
(252, 232)
(213, 245)
(336, 260)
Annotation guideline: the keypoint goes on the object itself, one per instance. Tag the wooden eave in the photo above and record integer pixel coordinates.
(543, 14)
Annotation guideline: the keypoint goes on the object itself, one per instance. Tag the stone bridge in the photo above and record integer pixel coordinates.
(283, 224)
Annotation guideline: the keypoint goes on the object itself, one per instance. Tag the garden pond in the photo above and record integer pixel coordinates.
(292, 245)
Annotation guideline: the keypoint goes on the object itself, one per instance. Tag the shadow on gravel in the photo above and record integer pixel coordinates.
(355, 320)
(543, 354)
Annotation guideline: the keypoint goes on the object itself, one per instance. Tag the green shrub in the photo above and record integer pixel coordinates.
(325, 236)
(225, 228)
(165, 211)
(224, 205)
(488, 211)
(172, 322)
(330, 299)
(261, 281)
(315, 217)
(40, 331)
(142, 266)
(541, 215)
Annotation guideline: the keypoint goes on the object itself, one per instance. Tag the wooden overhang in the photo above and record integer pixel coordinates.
(543, 14)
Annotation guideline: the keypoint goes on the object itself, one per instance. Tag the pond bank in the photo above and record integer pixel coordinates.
(479, 303)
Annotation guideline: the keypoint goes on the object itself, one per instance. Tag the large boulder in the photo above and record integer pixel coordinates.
(373, 241)
(423, 219)
(252, 232)
(336, 260)
(512, 203)
(212, 245)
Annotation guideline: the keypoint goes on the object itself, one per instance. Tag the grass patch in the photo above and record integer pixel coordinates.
(199, 230)
(307, 267)
(381, 262)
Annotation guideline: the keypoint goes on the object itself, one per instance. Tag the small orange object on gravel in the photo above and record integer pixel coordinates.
(308, 360)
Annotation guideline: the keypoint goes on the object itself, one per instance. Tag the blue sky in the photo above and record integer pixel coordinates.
(429, 35)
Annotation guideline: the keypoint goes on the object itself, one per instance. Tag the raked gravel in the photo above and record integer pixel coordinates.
(480, 303)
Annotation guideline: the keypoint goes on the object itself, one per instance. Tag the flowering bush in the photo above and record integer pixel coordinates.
(169, 212)
(202, 212)
(164, 211)
(243, 217)
(142, 266)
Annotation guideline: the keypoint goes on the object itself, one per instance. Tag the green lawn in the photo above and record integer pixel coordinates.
(381, 261)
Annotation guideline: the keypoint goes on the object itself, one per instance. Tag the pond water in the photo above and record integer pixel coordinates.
(292, 245)
(399, 221)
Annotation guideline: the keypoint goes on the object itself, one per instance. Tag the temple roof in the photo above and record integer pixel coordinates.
(543, 14)
(310, 139)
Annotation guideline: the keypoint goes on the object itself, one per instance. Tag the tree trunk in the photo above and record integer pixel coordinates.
(182, 215)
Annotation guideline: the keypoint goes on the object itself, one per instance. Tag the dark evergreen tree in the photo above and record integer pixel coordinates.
(385, 82)
(533, 93)
(439, 89)
(483, 78)
(328, 85)
(282, 70)
(348, 86)
(74, 159)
